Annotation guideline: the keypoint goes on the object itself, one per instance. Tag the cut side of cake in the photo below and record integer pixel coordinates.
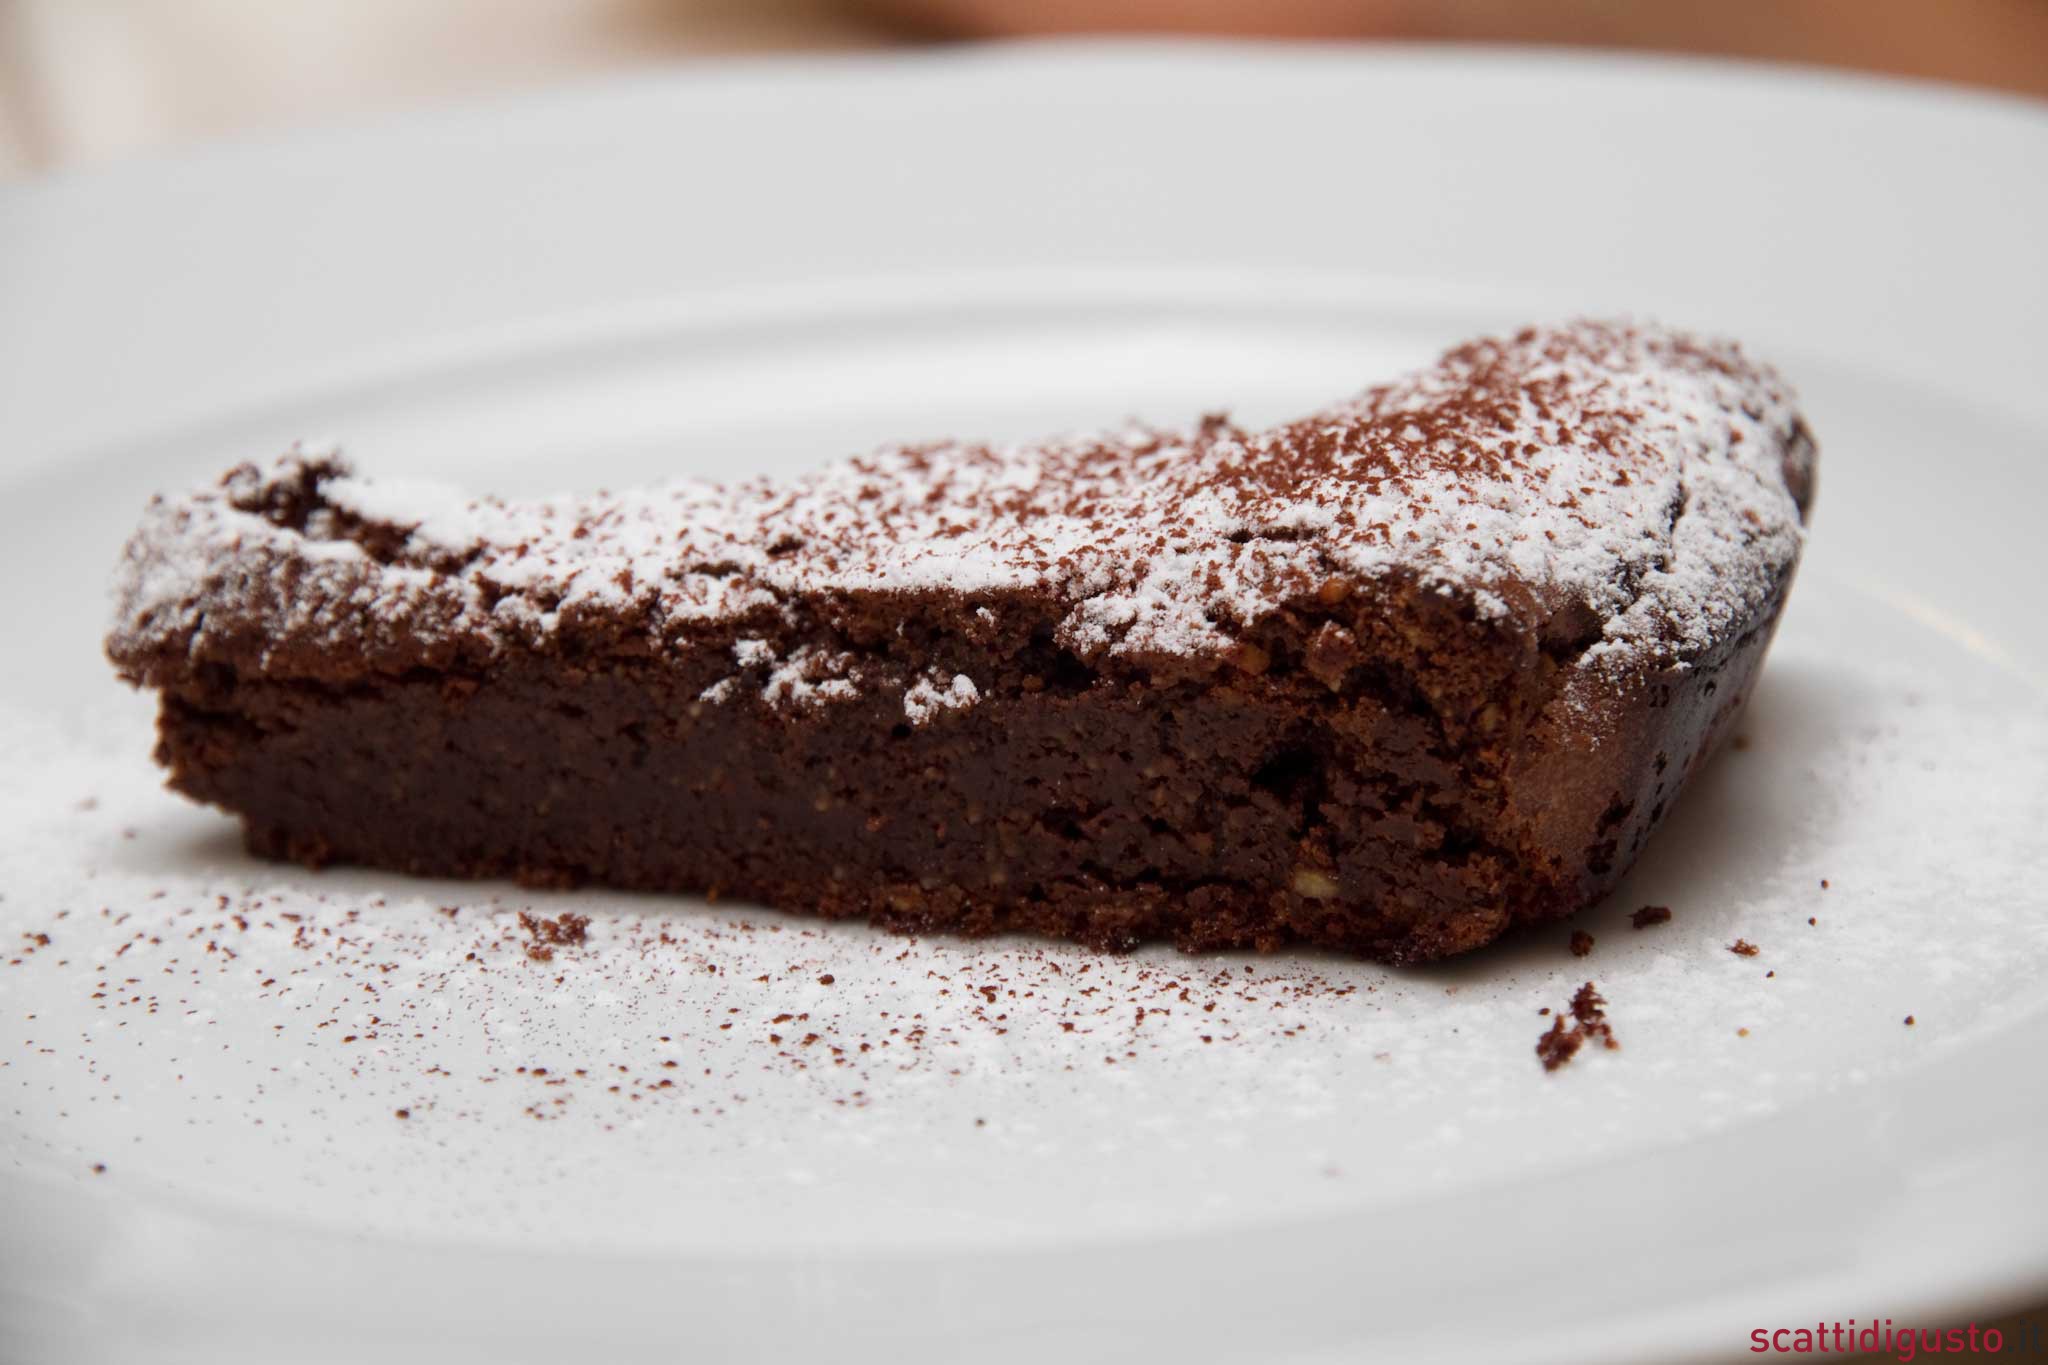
(1426, 664)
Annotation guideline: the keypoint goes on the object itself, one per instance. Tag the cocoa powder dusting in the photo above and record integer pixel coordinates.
(563, 930)
(405, 970)
(1546, 463)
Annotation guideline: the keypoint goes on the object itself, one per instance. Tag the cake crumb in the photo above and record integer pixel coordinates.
(1561, 1042)
(1588, 1007)
(1742, 947)
(1557, 1045)
(1581, 943)
(1649, 915)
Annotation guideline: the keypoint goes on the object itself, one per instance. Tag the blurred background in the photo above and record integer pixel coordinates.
(84, 81)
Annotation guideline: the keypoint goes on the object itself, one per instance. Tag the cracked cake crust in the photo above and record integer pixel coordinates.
(1387, 679)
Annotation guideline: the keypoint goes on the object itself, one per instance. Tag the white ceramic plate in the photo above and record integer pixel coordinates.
(1222, 1158)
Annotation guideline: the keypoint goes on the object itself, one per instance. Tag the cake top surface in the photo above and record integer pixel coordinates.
(1648, 477)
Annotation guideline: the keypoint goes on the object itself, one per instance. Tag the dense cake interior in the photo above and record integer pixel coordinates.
(1351, 750)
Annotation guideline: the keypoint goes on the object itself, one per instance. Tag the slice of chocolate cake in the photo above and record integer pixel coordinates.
(1389, 679)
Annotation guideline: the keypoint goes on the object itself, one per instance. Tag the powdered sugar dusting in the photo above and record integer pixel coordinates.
(1641, 475)
(926, 697)
(810, 677)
